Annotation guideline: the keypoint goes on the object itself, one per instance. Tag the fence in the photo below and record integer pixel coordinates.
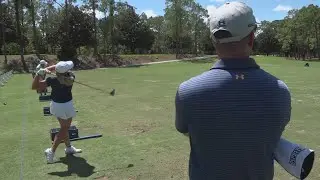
(4, 77)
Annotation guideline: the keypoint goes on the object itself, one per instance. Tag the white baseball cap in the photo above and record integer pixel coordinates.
(43, 62)
(64, 66)
(235, 17)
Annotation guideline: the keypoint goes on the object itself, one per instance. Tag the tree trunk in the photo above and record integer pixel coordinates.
(176, 29)
(3, 30)
(35, 37)
(46, 27)
(317, 39)
(105, 37)
(111, 30)
(195, 50)
(180, 30)
(20, 35)
(4, 43)
(95, 48)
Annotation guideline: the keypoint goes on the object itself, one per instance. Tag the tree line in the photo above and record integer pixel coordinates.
(48, 27)
(68, 29)
(296, 36)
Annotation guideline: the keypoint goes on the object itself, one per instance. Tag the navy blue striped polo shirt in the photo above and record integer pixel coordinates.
(235, 114)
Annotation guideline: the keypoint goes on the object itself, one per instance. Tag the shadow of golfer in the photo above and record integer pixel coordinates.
(76, 165)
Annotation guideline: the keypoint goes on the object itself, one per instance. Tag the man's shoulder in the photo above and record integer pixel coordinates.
(203, 80)
(280, 83)
(282, 86)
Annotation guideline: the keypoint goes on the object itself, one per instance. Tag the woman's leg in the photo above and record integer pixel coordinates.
(70, 149)
(67, 139)
(64, 127)
(63, 133)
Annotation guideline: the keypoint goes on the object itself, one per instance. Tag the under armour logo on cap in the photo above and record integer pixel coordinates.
(221, 23)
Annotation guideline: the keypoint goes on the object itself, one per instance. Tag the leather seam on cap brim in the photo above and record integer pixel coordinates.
(233, 39)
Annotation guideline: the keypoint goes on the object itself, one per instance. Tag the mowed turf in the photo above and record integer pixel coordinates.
(139, 138)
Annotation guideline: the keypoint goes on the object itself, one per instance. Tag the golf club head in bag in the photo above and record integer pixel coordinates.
(294, 158)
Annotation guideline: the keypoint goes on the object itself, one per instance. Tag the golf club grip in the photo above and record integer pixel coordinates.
(86, 137)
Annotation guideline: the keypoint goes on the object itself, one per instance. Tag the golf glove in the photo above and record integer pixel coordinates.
(41, 72)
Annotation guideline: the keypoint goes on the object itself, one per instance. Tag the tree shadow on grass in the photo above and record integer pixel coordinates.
(76, 165)
(128, 66)
(200, 61)
(134, 66)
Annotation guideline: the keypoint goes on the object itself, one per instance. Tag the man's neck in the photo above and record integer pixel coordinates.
(234, 57)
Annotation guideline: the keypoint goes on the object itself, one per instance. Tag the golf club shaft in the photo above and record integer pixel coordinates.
(89, 86)
(86, 137)
(85, 85)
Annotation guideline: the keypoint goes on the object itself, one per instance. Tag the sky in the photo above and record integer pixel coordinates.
(263, 9)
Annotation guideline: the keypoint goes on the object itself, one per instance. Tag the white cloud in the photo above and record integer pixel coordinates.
(150, 13)
(219, 1)
(282, 8)
(99, 14)
(4, 1)
(258, 20)
(211, 9)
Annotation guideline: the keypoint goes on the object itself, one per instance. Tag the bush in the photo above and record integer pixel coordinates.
(112, 61)
(13, 48)
(15, 65)
(85, 62)
(32, 61)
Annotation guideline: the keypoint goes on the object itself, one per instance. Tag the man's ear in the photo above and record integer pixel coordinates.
(251, 39)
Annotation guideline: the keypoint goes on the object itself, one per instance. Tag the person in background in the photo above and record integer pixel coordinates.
(235, 113)
(43, 64)
(61, 105)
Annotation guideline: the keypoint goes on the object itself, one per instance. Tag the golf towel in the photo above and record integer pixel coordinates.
(294, 158)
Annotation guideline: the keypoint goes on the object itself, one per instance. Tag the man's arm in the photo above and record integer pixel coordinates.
(181, 116)
(51, 68)
(286, 111)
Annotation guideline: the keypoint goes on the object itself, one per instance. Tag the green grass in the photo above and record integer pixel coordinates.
(137, 124)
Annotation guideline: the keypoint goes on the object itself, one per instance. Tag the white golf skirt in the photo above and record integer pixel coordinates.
(62, 110)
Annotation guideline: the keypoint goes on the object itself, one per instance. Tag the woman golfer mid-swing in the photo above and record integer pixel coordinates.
(61, 105)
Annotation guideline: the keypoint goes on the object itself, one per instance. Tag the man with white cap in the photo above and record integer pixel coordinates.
(43, 64)
(235, 113)
(61, 105)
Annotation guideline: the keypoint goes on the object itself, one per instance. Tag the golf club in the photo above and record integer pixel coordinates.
(101, 90)
(83, 138)
(86, 137)
(112, 93)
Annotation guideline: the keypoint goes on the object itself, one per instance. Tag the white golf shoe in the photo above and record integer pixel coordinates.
(72, 150)
(49, 155)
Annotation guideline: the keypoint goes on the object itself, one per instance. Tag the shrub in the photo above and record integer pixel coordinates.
(15, 65)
